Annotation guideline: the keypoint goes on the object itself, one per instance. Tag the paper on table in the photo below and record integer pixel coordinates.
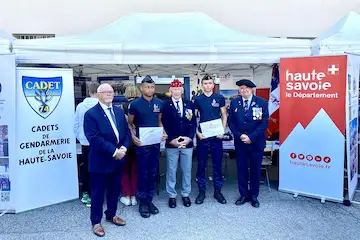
(212, 128)
(150, 135)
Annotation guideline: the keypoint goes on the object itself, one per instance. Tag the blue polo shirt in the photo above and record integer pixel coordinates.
(209, 107)
(146, 112)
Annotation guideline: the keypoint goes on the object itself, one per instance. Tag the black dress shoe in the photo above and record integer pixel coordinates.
(255, 203)
(219, 197)
(200, 197)
(186, 201)
(152, 208)
(172, 202)
(144, 209)
(241, 201)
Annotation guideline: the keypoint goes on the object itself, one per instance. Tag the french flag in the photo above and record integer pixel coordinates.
(274, 103)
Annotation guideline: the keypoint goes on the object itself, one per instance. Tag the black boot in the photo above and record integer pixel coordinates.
(152, 209)
(200, 198)
(219, 197)
(144, 209)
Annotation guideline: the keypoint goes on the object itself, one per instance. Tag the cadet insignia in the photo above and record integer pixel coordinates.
(214, 103)
(156, 108)
(42, 94)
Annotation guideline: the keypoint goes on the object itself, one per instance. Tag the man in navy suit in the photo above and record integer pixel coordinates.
(107, 131)
(179, 122)
(248, 121)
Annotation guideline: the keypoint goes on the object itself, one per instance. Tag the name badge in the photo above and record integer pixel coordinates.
(257, 113)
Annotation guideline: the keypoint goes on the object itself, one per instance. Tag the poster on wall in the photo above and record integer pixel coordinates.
(45, 142)
(7, 132)
(352, 106)
(228, 87)
(312, 130)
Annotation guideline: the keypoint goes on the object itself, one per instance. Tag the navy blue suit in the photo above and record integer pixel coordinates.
(176, 125)
(254, 126)
(105, 170)
(146, 114)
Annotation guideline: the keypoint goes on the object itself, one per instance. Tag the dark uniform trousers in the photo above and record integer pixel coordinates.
(147, 158)
(84, 169)
(244, 154)
(109, 183)
(214, 145)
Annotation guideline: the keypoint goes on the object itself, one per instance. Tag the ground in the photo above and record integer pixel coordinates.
(280, 216)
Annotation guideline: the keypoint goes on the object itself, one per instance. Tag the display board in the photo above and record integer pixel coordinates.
(7, 133)
(312, 126)
(352, 106)
(45, 143)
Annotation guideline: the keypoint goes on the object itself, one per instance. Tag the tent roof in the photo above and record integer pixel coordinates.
(176, 38)
(5, 42)
(341, 37)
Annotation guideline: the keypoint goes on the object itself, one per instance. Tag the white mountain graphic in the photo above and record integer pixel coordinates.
(320, 138)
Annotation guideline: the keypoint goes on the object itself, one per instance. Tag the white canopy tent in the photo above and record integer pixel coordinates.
(157, 44)
(342, 37)
(5, 42)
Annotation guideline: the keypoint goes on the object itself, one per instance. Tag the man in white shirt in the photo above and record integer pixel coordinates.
(81, 109)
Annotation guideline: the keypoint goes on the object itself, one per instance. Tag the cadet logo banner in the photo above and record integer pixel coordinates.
(42, 94)
(312, 126)
(45, 142)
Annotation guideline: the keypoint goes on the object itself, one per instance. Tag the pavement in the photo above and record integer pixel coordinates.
(280, 216)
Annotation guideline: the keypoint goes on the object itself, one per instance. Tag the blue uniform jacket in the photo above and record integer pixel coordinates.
(175, 125)
(102, 139)
(254, 124)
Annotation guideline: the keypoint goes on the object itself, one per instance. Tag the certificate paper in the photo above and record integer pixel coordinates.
(150, 135)
(212, 128)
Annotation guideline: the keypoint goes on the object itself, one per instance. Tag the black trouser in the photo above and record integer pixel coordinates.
(84, 170)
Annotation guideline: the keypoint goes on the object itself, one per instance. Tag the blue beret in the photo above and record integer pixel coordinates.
(245, 82)
(147, 79)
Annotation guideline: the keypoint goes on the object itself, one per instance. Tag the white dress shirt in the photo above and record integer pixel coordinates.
(113, 125)
(180, 105)
(249, 100)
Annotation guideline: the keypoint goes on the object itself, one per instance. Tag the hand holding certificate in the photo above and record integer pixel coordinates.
(212, 128)
(150, 135)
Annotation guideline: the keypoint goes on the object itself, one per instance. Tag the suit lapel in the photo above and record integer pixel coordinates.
(108, 120)
(184, 107)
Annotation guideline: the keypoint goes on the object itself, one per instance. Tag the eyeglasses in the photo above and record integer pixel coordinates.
(107, 93)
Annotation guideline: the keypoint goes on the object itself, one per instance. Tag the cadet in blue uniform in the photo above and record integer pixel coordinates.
(146, 112)
(211, 106)
(248, 121)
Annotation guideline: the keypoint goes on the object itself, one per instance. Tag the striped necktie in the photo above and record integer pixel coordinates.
(178, 108)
